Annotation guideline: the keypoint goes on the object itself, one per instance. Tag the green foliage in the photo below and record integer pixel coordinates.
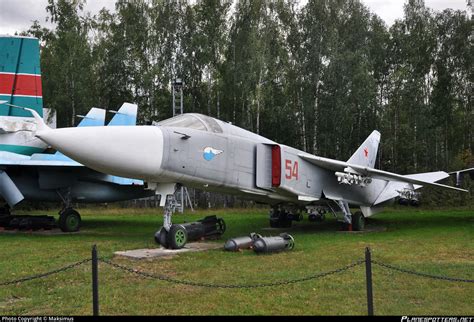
(319, 76)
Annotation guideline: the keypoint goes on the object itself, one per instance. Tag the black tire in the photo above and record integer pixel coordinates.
(316, 217)
(177, 237)
(275, 219)
(274, 223)
(69, 220)
(281, 222)
(221, 227)
(358, 221)
(285, 220)
(161, 237)
(403, 201)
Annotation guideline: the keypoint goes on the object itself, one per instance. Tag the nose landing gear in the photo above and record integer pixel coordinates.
(175, 236)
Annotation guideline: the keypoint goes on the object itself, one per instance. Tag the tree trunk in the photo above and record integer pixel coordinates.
(316, 117)
(302, 119)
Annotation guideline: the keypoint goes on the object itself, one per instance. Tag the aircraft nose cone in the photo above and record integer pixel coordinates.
(126, 151)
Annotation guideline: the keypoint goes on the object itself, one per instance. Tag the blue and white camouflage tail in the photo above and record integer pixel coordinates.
(126, 115)
(95, 117)
(366, 154)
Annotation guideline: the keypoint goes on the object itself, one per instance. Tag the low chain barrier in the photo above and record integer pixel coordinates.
(438, 277)
(240, 286)
(368, 266)
(56, 271)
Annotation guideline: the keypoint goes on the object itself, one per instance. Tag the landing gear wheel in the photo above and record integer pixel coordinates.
(316, 217)
(177, 237)
(403, 201)
(161, 237)
(274, 223)
(358, 221)
(291, 244)
(221, 227)
(69, 220)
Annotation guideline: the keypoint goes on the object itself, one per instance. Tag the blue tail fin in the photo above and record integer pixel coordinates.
(126, 115)
(95, 117)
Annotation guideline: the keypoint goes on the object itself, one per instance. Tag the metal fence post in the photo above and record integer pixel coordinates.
(95, 282)
(368, 278)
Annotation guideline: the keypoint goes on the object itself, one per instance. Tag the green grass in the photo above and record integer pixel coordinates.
(433, 241)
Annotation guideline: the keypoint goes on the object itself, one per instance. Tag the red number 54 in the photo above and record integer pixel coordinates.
(291, 169)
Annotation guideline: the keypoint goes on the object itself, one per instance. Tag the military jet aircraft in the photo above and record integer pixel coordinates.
(206, 153)
(55, 177)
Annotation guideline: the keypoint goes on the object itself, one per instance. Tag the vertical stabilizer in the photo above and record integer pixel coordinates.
(20, 75)
(126, 115)
(366, 154)
(95, 117)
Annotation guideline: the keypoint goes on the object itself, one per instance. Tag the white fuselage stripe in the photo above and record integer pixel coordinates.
(16, 95)
(23, 74)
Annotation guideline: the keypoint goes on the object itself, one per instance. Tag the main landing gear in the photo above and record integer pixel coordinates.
(351, 222)
(69, 219)
(283, 218)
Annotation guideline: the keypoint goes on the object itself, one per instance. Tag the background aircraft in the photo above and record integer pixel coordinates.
(25, 172)
(203, 152)
(55, 177)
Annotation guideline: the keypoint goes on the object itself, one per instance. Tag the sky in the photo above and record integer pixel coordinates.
(18, 15)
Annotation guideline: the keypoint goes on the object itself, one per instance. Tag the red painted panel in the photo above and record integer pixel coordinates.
(24, 84)
(276, 166)
(6, 83)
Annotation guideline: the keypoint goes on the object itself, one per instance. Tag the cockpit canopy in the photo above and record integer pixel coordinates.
(193, 121)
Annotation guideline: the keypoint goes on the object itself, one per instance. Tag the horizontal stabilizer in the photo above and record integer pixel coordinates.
(340, 166)
(393, 187)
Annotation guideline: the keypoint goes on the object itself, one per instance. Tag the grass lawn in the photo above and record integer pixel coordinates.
(432, 241)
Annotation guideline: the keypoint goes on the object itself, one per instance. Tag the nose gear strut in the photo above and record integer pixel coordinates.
(175, 236)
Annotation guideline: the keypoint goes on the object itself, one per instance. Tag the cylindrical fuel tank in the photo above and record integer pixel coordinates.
(274, 244)
(244, 242)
